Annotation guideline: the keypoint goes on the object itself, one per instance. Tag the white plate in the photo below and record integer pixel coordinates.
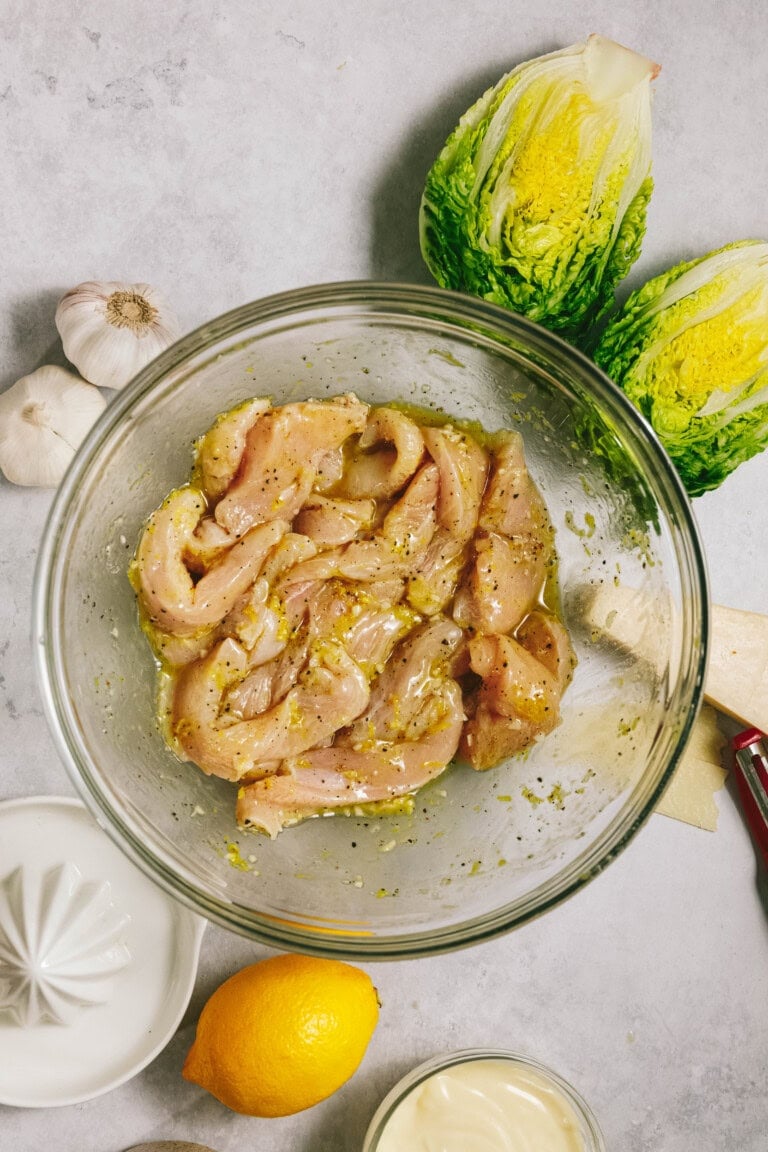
(107, 1043)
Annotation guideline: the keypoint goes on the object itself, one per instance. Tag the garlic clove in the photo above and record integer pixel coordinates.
(44, 417)
(110, 330)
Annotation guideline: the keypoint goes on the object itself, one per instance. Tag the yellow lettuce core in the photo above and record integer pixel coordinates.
(552, 175)
(720, 353)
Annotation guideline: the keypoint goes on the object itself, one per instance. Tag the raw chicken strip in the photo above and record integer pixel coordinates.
(416, 668)
(329, 521)
(368, 638)
(388, 592)
(519, 699)
(330, 692)
(291, 604)
(411, 521)
(280, 460)
(168, 594)
(291, 550)
(269, 683)
(380, 474)
(373, 635)
(512, 548)
(259, 623)
(348, 613)
(433, 583)
(515, 683)
(206, 545)
(296, 599)
(546, 638)
(259, 620)
(512, 503)
(405, 535)
(335, 777)
(489, 738)
(329, 470)
(463, 467)
(177, 650)
(220, 450)
(503, 583)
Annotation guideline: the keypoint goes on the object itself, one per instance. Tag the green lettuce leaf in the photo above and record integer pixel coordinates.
(538, 200)
(690, 349)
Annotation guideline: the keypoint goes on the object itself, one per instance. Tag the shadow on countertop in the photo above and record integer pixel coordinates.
(34, 340)
(343, 1119)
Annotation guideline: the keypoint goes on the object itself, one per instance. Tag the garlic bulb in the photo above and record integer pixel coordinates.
(44, 417)
(111, 330)
(170, 1146)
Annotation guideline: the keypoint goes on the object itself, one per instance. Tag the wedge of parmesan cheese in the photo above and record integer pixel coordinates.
(737, 676)
(629, 618)
(736, 683)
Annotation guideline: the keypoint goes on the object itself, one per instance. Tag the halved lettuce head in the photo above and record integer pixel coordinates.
(690, 349)
(537, 201)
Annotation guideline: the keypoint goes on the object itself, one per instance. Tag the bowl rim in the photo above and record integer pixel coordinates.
(346, 298)
(431, 1067)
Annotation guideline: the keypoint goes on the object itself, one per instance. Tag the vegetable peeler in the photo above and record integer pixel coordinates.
(751, 773)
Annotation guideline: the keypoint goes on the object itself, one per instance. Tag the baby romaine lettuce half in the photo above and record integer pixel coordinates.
(690, 349)
(538, 200)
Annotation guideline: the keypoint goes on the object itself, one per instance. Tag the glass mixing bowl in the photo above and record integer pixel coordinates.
(482, 851)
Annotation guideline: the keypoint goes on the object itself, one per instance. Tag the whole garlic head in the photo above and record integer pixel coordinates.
(44, 417)
(110, 330)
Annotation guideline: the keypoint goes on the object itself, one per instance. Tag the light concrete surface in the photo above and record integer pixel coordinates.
(224, 151)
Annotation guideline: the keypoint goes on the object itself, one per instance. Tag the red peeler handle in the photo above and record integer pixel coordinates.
(751, 774)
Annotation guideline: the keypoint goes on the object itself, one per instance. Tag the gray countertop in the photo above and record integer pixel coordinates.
(224, 151)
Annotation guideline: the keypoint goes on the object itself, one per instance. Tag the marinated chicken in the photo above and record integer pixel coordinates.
(346, 599)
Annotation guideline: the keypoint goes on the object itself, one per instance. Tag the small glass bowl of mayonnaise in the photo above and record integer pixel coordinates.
(485, 1099)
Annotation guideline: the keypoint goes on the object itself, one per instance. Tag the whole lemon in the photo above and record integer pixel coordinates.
(283, 1034)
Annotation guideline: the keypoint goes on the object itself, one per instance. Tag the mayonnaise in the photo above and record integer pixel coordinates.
(484, 1105)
